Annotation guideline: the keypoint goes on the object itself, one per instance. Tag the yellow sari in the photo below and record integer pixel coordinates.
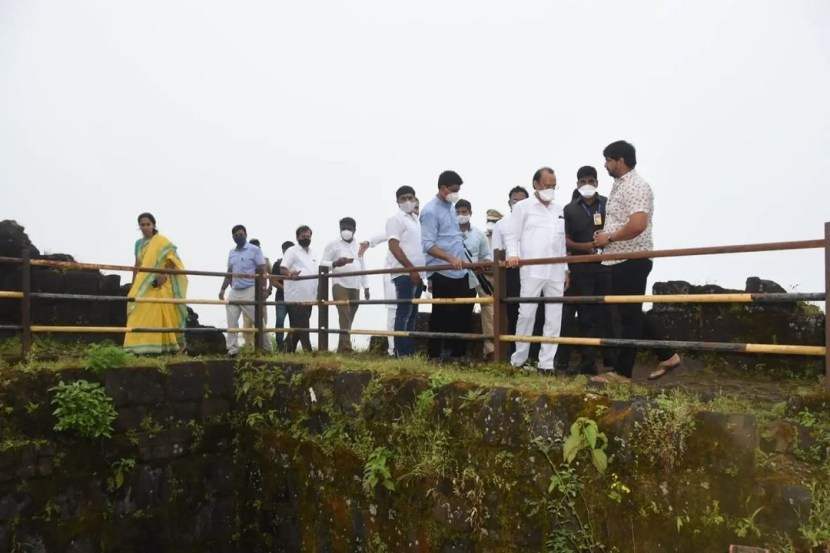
(156, 253)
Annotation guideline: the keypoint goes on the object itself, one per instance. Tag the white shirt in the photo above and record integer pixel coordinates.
(535, 231)
(502, 227)
(340, 248)
(296, 258)
(406, 229)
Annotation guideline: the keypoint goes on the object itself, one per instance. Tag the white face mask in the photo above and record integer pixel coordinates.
(491, 225)
(588, 190)
(346, 235)
(546, 194)
(463, 219)
(453, 197)
(407, 207)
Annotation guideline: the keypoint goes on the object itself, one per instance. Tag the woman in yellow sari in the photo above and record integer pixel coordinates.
(155, 251)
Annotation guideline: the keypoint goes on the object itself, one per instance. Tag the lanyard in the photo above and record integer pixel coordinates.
(588, 211)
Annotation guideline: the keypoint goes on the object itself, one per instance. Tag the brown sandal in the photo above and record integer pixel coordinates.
(665, 367)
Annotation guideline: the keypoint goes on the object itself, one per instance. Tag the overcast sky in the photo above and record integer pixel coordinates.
(276, 114)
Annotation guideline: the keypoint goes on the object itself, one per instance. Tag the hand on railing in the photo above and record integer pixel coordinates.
(456, 263)
(513, 261)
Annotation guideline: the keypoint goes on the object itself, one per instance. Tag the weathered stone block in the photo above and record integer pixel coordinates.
(220, 378)
(502, 419)
(212, 407)
(135, 386)
(348, 390)
(186, 381)
(185, 411)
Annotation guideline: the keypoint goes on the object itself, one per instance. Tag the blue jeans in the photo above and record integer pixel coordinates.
(282, 312)
(406, 313)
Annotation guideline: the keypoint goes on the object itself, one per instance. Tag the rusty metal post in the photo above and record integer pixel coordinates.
(259, 309)
(499, 308)
(26, 304)
(323, 310)
(827, 306)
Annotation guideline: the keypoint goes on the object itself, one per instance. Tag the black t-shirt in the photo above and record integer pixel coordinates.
(275, 270)
(580, 227)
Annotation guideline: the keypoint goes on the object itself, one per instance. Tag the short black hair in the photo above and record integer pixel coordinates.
(464, 203)
(348, 221)
(624, 150)
(255, 242)
(302, 228)
(239, 227)
(515, 189)
(287, 244)
(146, 215)
(586, 171)
(405, 189)
(449, 178)
(537, 176)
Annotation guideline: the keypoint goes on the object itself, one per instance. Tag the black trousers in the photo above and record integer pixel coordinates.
(450, 318)
(586, 320)
(629, 278)
(514, 290)
(299, 316)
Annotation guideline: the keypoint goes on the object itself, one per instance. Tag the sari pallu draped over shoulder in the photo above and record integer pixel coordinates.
(157, 253)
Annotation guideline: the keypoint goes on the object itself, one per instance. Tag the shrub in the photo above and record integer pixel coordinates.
(100, 357)
(83, 407)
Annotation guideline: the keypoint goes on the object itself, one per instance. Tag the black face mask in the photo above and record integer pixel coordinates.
(304, 242)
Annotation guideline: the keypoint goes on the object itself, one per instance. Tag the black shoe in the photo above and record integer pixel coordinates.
(588, 368)
(547, 372)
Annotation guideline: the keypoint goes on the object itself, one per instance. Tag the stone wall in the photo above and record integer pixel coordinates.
(256, 456)
(68, 312)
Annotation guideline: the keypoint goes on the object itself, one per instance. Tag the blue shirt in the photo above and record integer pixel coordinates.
(439, 227)
(244, 260)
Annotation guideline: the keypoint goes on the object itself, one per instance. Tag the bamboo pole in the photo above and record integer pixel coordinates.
(780, 349)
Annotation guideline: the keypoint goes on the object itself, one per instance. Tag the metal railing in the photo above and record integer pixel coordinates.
(499, 300)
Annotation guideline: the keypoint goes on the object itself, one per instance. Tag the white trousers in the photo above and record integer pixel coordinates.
(389, 294)
(531, 288)
(234, 311)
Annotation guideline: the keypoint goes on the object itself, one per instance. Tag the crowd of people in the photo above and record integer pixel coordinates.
(431, 246)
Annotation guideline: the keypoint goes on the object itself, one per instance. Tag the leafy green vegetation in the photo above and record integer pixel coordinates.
(100, 357)
(83, 407)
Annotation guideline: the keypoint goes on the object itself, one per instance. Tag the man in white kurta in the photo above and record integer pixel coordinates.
(537, 229)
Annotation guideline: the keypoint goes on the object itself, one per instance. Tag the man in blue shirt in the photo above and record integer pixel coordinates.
(443, 244)
(477, 248)
(248, 259)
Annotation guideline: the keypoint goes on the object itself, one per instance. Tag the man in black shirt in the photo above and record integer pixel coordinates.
(282, 310)
(583, 216)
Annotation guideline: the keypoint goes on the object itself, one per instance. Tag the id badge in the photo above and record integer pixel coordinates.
(598, 219)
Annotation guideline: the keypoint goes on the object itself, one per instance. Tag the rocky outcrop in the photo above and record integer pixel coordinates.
(795, 323)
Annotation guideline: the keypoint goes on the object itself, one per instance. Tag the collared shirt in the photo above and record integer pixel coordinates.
(244, 260)
(630, 194)
(340, 248)
(536, 231)
(580, 225)
(406, 229)
(296, 258)
(439, 227)
(477, 248)
(502, 227)
(401, 227)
